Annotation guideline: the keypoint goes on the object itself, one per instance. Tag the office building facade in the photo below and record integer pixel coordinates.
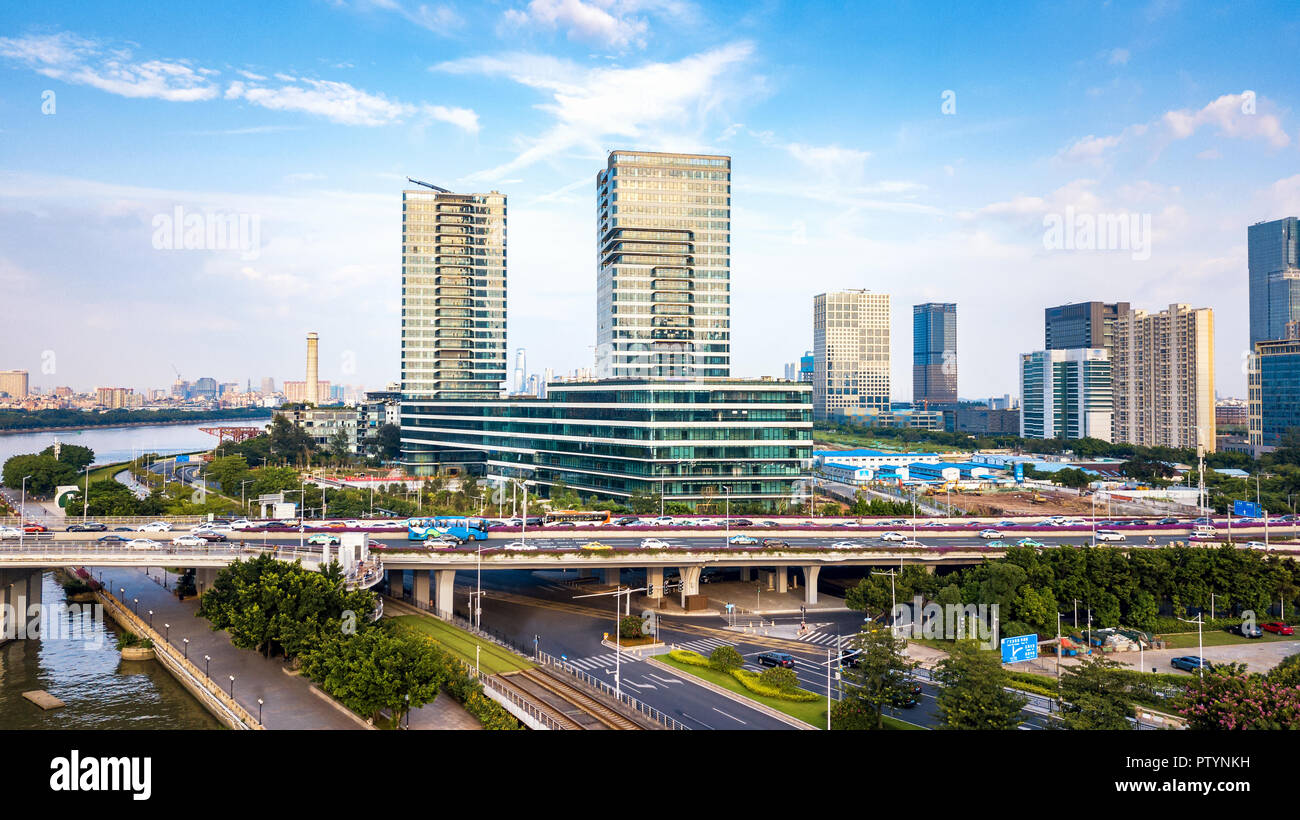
(1273, 269)
(1065, 394)
(663, 281)
(1164, 377)
(453, 293)
(1082, 325)
(934, 355)
(698, 441)
(14, 383)
(1273, 390)
(850, 351)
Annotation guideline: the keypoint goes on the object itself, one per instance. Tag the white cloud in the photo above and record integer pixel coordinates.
(608, 23)
(1229, 115)
(653, 104)
(830, 161)
(439, 18)
(1118, 56)
(1090, 147)
(79, 61)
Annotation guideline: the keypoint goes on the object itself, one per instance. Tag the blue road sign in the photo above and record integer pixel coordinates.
(1020, 648)
(1020, 471)
(182, 459)
(1246, 509)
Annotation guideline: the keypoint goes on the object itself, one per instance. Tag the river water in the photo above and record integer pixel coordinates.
(112, 444)
(100, 690)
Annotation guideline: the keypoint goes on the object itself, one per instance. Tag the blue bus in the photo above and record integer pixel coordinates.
(460, 528)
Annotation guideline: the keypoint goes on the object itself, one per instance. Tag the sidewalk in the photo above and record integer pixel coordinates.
(289, 701)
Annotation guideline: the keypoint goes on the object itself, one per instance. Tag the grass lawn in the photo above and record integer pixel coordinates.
(105, 473)
(811, 712)
(493, 659)
(1217, 637)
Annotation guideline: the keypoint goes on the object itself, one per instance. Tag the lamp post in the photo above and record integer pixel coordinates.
(259, 709)
(167, 633)
(151, 619)
(232, 686)
(22, 515)
(1200, 645)
(243, 502)
(893, 604)
(726, 489)
(207, 662)
(85, 496)
(186, 641)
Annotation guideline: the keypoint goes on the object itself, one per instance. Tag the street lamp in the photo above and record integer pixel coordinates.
(207, 661)
(135, 606)
(22, 515)
(1200, 645)
(167, 632)
(232, 686)
(242, 502)
(259, 709)
(151, 619)
(186, 641)
(85, 496)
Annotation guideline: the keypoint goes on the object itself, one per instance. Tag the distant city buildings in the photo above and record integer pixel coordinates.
(1231, 412)
(1066, 394)
(934, 355)
(1164, 378)
(663, 292)
(295, 392)
(850, 351)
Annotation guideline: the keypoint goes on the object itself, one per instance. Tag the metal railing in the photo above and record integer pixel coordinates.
(532, 710)
(604, 688)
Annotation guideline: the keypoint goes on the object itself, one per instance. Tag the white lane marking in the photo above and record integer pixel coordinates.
(733, 717)
(697, 720)
(664, 680)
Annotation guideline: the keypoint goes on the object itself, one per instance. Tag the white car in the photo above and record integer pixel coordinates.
(156, 526)
(324, 539)
(442, 542)
(10, 532)
(662, 521)
(911, 543)
(353, 524)
(519, 545)
(846, 545)
(653, 544)
(142, 544)
(988, 534)
(1109, 535)
(892, 536)
(242, 524)
(1073, 522)
(741, 540)
(1256, 545)
(188, 541)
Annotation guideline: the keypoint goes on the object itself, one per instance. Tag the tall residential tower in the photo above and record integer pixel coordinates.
(1164, 378)
(663, 255)
(850, 351)
(453, 293)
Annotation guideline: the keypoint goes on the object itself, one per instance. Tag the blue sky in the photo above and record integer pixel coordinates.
(847, 170)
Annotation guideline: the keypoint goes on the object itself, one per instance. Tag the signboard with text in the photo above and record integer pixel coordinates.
(1245, 509)
(1020, 648)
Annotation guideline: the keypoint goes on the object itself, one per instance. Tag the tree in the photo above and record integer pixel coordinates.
(73, 454)
(229, 472)
(725, 658)
(880, 677)
(46, 473)
(780, 678)
(388, 442)
(1229, 698)
(375, 669)
(629, 626)
(973, 696)
(1094, 696)
(1286, 673)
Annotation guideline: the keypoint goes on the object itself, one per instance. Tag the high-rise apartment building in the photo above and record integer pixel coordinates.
(205, 388)
(1164, 378)
(1065, 394)
(313, 369)
(453, 293)
(268, 386)
(1273, 268)
(296, 391)
(113, 398)
(850, 351)
(934, 354)
(663, 282)
(1080, 325)
(13, 383)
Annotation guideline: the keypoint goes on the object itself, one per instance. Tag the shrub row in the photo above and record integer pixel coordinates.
(754, 684)
(687, 656)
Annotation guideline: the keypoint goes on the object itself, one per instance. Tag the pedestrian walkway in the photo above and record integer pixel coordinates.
(125, 477)
(821, 638)
(288, 700)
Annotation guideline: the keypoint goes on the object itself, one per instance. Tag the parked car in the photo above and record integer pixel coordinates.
(911, 544)
(1191, 663)
(1205, 519)
(653, 544)
(110, 539)
(1278, 628)
(742, 540)
(892, 536)
(324, 539)
(88, 526)
(662, 521)
(189, 541)
(1109, 535)
(775, 659)
(986, 534)
(774, 542)
(1248, 630)
(742, 522)
(142, 544)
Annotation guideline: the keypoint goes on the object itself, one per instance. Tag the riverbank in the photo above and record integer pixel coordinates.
(83, 427)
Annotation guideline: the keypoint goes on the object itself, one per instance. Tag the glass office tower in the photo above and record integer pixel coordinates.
(934, 354)
(1273, 265)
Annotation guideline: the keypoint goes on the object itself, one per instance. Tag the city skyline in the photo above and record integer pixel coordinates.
(926, 187)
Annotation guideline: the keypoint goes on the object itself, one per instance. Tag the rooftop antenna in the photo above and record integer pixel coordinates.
(428, 185)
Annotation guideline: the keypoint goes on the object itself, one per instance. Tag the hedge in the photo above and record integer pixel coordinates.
(687, 656)
(751, 681)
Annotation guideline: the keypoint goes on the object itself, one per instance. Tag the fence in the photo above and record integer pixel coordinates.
(120, 520)
(604, 688)
(493, 688)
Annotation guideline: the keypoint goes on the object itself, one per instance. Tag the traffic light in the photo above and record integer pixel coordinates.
(803, 610)
(650, 590)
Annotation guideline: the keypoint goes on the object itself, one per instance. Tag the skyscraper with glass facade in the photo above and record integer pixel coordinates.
(850, 351)
(663, 281)
(934, 354)
(1273, 266)
(1065, 394)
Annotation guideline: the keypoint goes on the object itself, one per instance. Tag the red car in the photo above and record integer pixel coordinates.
(34, 527)
(1277, 627)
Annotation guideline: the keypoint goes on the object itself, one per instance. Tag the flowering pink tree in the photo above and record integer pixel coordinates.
(1230, 698)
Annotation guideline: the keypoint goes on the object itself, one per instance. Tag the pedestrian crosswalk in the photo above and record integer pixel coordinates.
(820, 638)
(597, 663)
(703, 645)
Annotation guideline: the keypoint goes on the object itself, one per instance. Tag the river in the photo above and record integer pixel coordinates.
(113, 444)
(100, 690)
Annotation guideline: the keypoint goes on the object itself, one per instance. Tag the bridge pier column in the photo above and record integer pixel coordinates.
(810, 574)
(782, 579)
(4, 599)
(746, 573)
(420, 587)
(397, 582)
(444, 587)
(204, 577)
(690, 581)
(586, 572)
(654, 578)
(612, 576)
(35, 584)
